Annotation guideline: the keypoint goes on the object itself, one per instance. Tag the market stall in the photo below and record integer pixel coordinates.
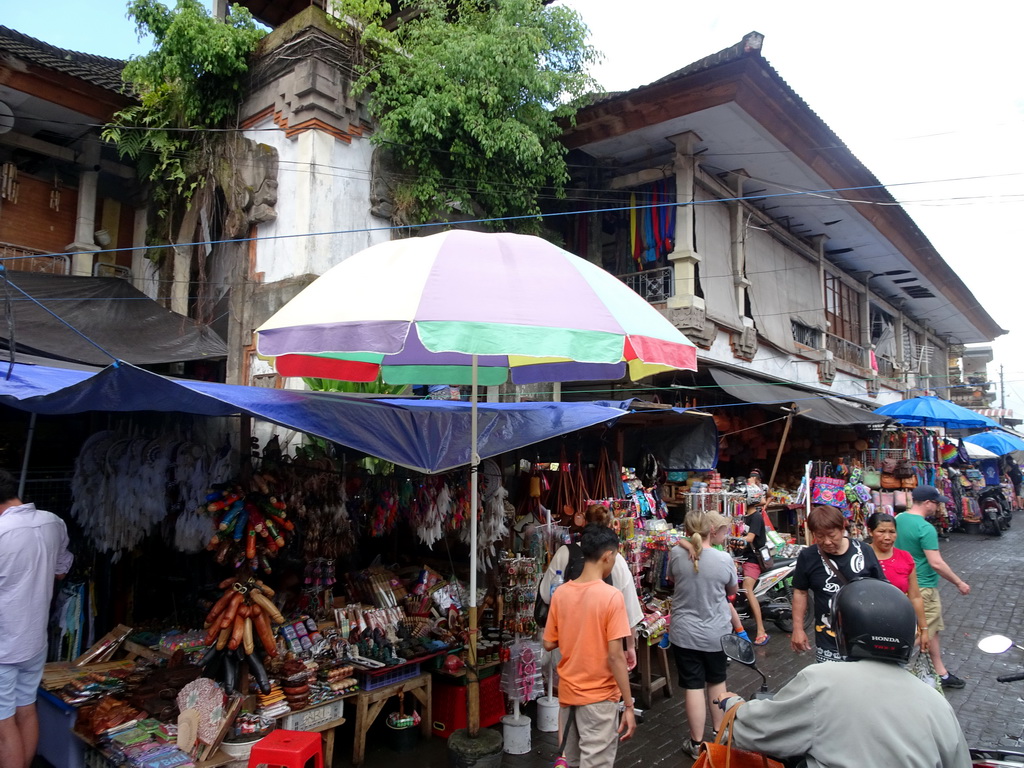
(179, 523)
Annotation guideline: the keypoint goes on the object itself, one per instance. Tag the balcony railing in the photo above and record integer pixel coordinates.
(886, 368)
(655, 285)
(19, 259)
(111, 270)
(842, 349)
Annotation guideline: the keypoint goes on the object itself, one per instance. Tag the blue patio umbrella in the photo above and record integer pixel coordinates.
(997, 441)
(928, 411)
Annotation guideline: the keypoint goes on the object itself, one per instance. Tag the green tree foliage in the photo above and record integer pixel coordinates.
(191, 79)
(468, 95)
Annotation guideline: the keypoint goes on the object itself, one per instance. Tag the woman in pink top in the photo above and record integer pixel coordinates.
(898, 566)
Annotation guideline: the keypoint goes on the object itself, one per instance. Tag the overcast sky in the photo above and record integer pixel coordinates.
(919, 91)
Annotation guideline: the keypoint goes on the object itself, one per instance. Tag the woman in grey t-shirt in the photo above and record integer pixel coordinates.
(700, 616)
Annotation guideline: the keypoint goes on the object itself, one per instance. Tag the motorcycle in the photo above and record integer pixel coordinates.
(996, 757)
(996, 513)
(738, 649)
(774, 592)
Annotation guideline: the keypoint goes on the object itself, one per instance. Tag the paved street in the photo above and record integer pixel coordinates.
(991, 713)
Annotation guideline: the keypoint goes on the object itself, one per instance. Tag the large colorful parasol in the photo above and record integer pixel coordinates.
(471, 308)
(417, 310)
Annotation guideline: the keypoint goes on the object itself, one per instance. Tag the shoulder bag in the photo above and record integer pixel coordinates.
(722, 754)
(843, 581)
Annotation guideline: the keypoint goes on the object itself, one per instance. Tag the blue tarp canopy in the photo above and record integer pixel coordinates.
(424, 435)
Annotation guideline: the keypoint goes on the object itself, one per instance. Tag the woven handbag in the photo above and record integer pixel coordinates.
(716, 754)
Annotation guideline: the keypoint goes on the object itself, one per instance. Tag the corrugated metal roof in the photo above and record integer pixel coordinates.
(97, 70)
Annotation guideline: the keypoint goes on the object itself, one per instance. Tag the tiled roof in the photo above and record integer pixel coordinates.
(98, 70)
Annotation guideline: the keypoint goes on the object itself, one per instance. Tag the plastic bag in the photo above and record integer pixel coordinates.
(923, 668)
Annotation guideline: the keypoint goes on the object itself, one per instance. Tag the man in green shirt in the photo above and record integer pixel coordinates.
(918, 537)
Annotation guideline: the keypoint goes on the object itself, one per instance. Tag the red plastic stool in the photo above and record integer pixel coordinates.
(290, 749)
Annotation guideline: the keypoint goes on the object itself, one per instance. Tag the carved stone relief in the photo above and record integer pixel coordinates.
(693, 322)
(744, 343)
(827, 370)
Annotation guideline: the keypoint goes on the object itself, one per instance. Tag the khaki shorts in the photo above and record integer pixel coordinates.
(593, 740)
(932, 609)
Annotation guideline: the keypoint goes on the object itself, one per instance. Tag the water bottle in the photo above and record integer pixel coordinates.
(555, 583)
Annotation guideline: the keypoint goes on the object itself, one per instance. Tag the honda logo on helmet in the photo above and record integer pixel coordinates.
(882, 639)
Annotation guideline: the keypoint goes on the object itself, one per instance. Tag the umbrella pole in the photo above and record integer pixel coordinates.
(473, 681)
(28, 452)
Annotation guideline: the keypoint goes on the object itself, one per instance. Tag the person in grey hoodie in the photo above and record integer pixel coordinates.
(899, 719)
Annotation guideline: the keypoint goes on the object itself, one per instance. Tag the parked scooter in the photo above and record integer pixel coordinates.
(774, 592)
(996, 513)
(995, 757)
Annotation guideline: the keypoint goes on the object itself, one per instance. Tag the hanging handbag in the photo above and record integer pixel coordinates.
(890, 482)
(908, 483)
(889, 465)
(903, 469)
(720, 753)
(872, 478)
(828, 491)
(857, 492)
(886, 499)
(899, 500)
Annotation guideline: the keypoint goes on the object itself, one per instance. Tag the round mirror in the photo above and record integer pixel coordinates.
(738, 649)
(995, 644)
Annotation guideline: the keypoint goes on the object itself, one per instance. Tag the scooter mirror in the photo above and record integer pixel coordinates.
(738, 649)
(994, 644)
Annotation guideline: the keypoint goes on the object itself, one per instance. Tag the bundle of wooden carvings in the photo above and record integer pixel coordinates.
(243, 614)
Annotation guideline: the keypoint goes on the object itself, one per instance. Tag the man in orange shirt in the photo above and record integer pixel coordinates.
(587, 622)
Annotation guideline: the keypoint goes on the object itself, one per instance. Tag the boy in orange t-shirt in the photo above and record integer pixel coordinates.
(587, 622)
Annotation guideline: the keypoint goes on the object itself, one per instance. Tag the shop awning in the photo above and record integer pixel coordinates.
(424, 435)
(809, 404)
(109, 311)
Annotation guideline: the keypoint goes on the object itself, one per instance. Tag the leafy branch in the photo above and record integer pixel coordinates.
(191, 80)
(468, 96)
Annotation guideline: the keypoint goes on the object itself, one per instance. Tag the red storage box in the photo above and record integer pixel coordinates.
(450, 705)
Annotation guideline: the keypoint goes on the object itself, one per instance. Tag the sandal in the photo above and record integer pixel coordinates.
(762, 639)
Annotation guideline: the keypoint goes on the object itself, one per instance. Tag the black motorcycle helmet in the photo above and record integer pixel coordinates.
(874, 620)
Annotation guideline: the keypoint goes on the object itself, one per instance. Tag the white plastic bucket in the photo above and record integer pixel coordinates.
(516, 734)
(547, 714)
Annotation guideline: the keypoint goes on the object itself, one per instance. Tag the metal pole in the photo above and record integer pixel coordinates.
(807, 503)
(1002, 392)
(473, 716)
(28, 452)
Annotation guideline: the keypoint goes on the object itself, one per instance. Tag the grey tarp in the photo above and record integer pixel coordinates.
(110, 311)
(809, 404)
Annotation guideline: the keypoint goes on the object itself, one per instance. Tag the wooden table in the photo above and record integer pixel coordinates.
(649, 681)
(370, 703)
(326, 730)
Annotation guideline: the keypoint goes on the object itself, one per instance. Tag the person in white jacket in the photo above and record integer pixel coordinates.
(621, 577)
(899, 719)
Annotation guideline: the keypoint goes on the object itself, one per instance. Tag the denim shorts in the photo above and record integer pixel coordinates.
(19, 684)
